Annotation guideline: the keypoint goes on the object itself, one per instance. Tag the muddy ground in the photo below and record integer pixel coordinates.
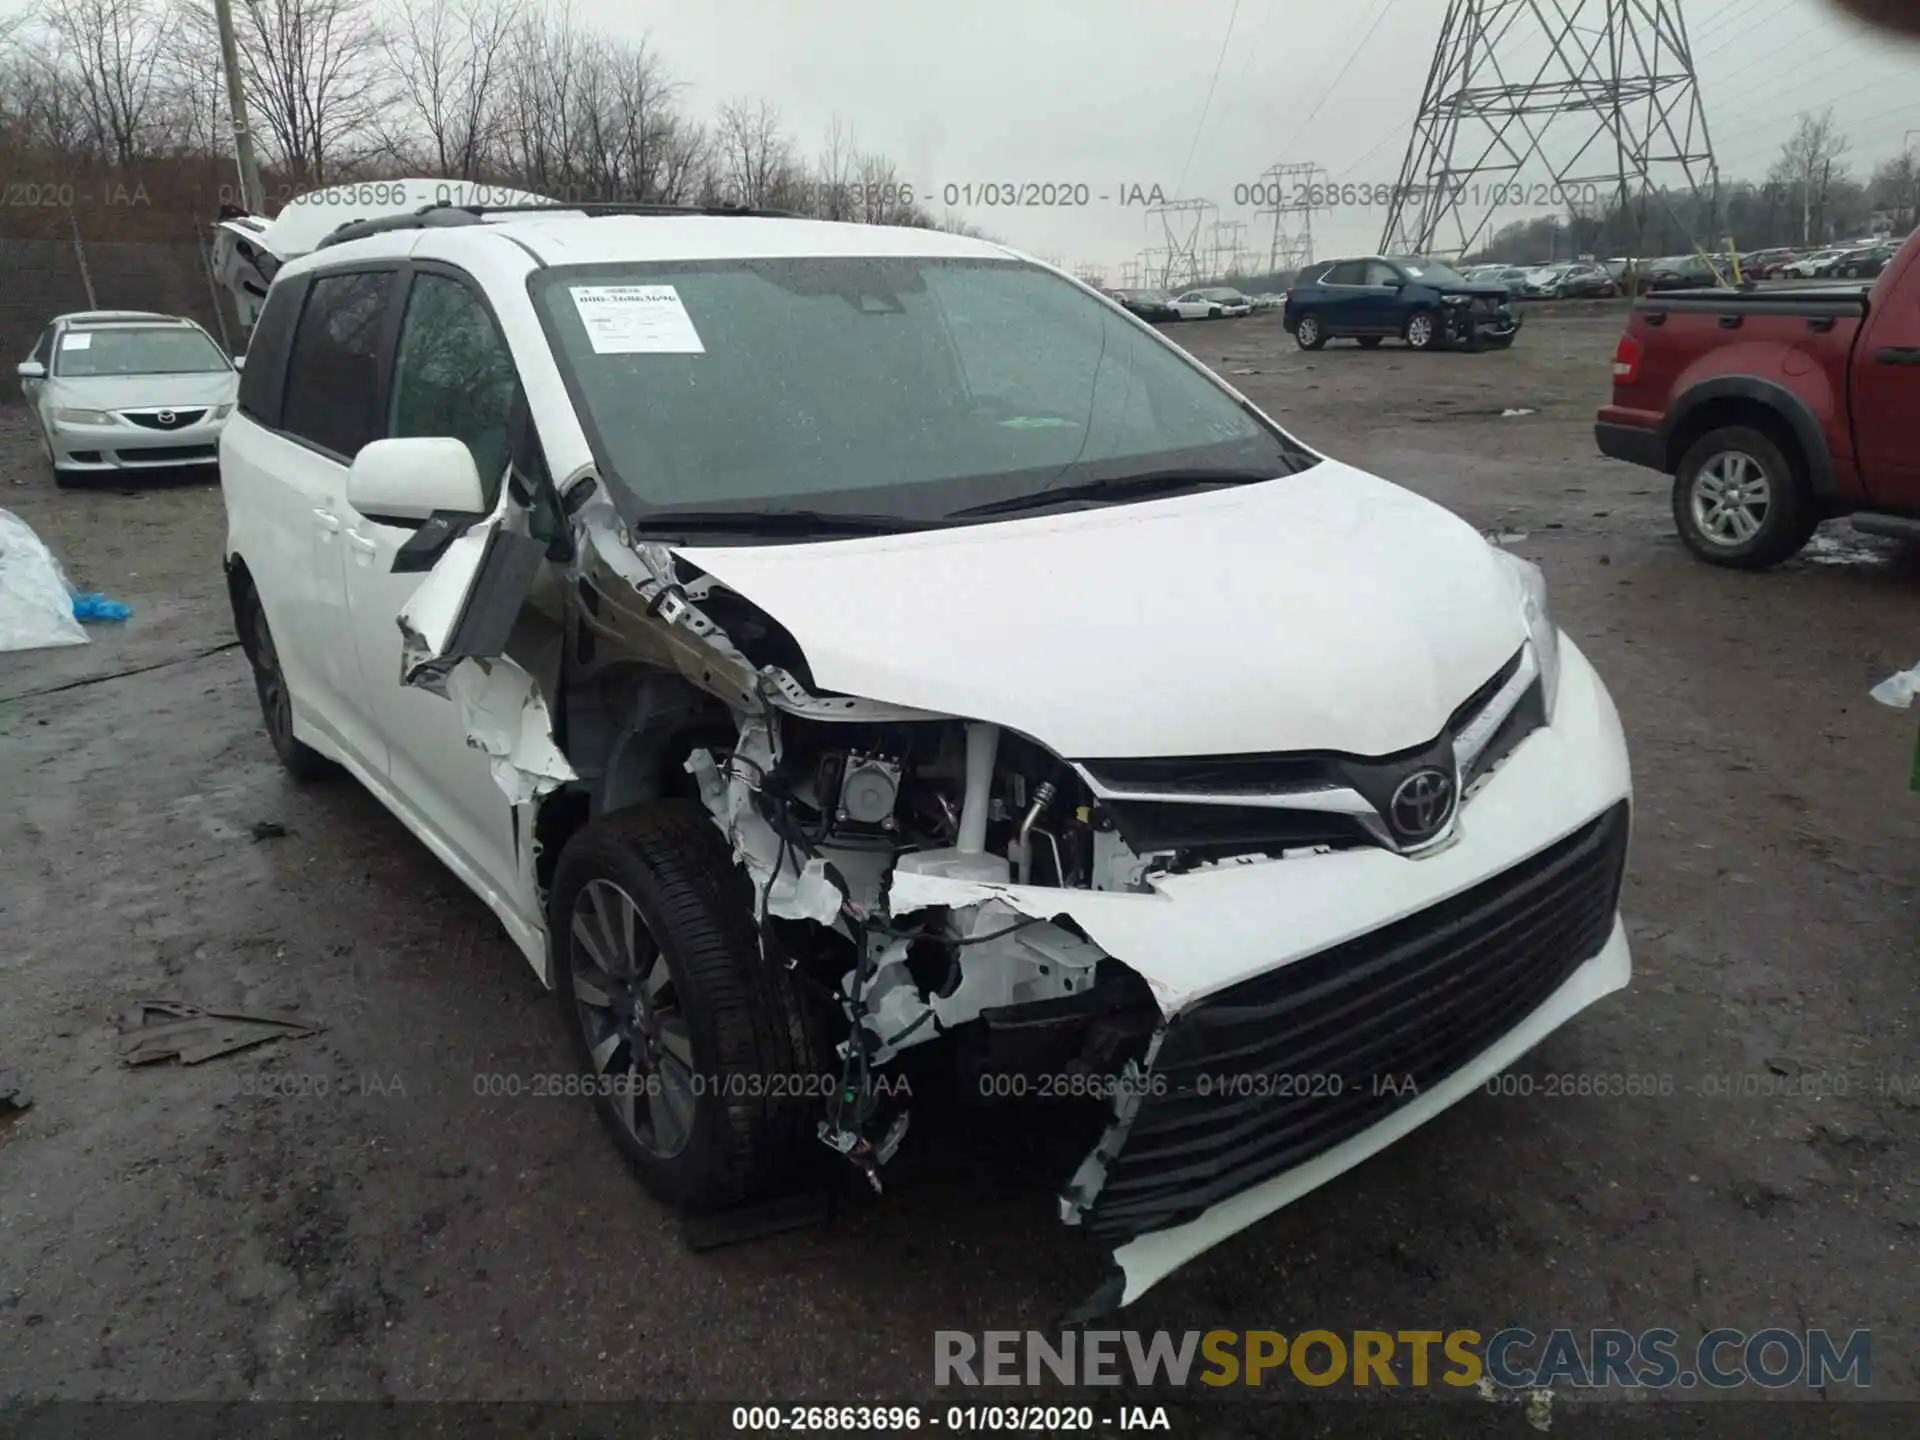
(348, 1217)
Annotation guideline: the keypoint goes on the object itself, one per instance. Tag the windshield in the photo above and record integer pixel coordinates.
(137, 350)
(906, 387)
(1419, 267)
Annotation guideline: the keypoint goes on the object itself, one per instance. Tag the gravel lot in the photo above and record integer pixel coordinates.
(225, 1231)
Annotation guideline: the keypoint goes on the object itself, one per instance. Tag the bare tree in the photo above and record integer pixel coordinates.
(539, 102)
(314, 79)
(883, 197)
(1808, 167)
(110, 54)
(1895, 188)
(754, 158)
(835, 174)
(448, 58)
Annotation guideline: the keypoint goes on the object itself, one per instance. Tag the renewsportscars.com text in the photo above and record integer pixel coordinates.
(1773, 1358)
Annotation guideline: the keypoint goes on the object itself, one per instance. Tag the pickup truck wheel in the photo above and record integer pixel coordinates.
(299, 759)
(1308, 333)
(1737, 501)
(1421, 332)
(698, 1051)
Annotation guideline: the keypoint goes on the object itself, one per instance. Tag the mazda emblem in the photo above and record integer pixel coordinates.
(1422, 805)
(165, 417)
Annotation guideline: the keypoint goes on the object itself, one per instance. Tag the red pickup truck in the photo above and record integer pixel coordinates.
(1775, 409)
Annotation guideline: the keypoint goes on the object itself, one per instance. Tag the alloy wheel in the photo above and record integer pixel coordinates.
(1420, 331)
(1731, 498)
(637, 1036)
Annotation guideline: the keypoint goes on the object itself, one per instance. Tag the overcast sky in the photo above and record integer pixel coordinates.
(1113, 93)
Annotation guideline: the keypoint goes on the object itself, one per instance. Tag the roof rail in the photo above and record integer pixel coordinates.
(444, 213)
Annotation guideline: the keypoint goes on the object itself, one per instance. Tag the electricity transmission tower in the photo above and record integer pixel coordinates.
(1289, 191)
(1587, 106)
(1183, 222)
(1229, 253)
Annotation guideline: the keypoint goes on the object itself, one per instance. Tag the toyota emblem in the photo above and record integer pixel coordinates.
(165, 417)
(1422, 805)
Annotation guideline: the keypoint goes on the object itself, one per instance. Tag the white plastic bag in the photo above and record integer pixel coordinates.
(1898, 690)
(36, 606)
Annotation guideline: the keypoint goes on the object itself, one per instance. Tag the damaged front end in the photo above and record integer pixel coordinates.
(1118, 932)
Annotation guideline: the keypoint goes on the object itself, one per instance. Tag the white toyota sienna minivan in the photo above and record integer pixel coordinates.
(825, 644)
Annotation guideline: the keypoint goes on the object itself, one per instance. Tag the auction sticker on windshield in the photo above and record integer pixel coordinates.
(73, 340)
(636, 320)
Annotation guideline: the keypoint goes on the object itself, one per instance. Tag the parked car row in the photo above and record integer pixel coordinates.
(1566, 280)
(1213, 302)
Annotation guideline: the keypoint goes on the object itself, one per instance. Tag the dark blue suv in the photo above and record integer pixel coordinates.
(1424, 302)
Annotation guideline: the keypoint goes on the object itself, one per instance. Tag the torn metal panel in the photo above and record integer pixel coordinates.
(640, 607)
(505, 717)
(468, 604)
(156, 1030)
(786, 882)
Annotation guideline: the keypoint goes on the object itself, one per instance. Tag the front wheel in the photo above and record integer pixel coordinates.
(1422, 333)
(1737, 501)
(697, 1049)
(1308, 333)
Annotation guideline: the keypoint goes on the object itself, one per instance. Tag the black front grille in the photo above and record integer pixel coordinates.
(167, 454)
(181, 419)
(1270, 1073)
(1161, 812)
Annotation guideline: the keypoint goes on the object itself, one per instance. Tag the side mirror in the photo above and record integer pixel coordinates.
(32, 370)
(409, 479)
(239, 361)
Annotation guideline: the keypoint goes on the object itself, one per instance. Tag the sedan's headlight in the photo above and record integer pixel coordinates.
(220, 412)
(82, 417)
(1541, 630)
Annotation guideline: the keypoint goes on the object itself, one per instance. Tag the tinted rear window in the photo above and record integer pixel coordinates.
(333, 378)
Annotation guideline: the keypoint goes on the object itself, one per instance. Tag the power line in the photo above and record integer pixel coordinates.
(1385, 5)
(1253, 45)
(1212, 84)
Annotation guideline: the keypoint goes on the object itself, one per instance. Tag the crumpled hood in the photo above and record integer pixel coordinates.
(141, 392)
(1328, 610)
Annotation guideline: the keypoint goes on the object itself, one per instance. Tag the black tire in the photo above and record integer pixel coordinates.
(1369, 342)
(64, 479)
(1309, 333)
(1215, 313)
(748, 1033)
(1731, 458)
(1422, 336)
(299, 759)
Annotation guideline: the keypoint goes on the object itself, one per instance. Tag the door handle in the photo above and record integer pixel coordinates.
(362, 543)
(1898, 355)
(329, 521)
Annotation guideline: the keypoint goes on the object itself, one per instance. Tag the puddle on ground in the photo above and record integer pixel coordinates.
(1848, 547)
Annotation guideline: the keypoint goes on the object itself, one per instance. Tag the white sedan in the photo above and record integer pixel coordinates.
(1213, 303)
(118, 390)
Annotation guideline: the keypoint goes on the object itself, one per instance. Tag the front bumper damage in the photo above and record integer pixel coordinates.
(1304, 1012)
